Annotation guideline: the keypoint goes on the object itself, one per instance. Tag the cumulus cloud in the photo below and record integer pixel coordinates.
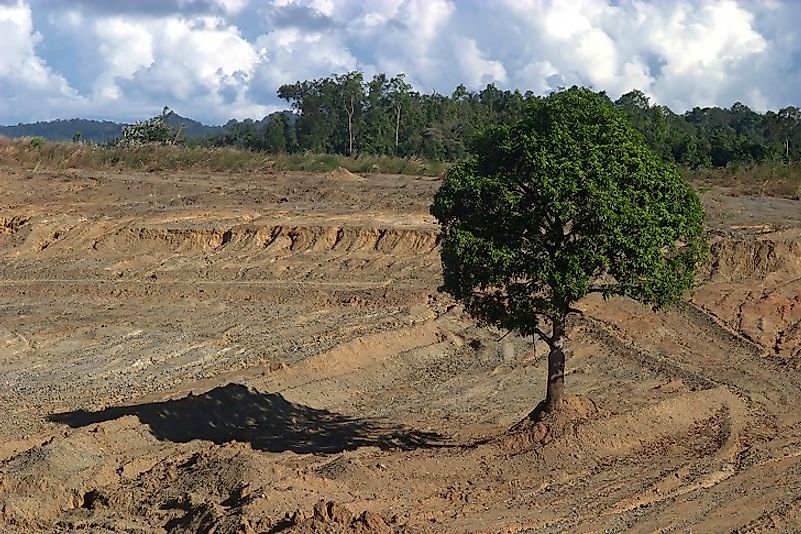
(477, 69)
(198, 62)
(25, 80)
(682, 54)
(216, 59)
(175, 58)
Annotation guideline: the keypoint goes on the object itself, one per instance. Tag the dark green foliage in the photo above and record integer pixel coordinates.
(275, 134)
(714, 137)
(345, 114)
(383, 116)
(567, 201)
(156, 130)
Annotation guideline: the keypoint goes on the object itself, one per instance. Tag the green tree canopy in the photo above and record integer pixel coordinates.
(567, 201)
(154, 130)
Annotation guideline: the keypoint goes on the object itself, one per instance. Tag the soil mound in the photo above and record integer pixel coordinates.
(540, 427)
(342, 174)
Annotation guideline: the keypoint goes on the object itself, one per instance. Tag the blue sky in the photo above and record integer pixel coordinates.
(218, 59)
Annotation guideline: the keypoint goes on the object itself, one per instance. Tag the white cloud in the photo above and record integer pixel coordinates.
(124, 47)
(200, 62)
(704, 51)
(19, 63)
(292, 54)
(214, 59)
(683, 54)
(26, 82)
(537, 75)
(476, 69)
(232, 6)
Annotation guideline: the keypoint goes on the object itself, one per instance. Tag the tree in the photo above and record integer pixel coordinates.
(316, 105)
(650, 121)
(351, 91)
(399, 97)
(275, 133)
(788, 121)
(151, 131)
(377, 121)
(566, 202)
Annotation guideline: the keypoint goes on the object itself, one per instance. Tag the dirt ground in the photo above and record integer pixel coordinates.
(269, 353)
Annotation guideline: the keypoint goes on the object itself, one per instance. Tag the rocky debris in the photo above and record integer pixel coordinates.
(329, 517)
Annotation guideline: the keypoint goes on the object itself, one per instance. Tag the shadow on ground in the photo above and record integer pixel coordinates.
(267, 421)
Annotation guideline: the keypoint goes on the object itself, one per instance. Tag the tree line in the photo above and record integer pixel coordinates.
(347, 114)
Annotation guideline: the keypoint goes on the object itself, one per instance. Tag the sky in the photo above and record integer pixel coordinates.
(213, 60)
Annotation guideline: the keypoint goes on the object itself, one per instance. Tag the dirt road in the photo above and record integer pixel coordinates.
(269, 353)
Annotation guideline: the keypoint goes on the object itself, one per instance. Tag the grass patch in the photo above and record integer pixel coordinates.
(762, 179)
(769, 179)
(37, 154)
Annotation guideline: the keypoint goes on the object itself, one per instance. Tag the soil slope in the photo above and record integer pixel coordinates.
(269, 353)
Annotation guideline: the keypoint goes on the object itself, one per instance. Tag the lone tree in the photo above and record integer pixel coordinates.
(151, 131)
(566, 202)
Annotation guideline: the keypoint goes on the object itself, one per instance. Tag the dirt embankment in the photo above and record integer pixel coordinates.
(270, 354)
(754, 288)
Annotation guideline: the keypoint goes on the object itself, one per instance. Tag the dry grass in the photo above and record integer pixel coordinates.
(32, 153)
(764, 179)
(771, 179)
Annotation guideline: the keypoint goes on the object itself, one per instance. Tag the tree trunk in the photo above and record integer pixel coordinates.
(350, 111)
(397, 127)
(556, 367)
(350, 133)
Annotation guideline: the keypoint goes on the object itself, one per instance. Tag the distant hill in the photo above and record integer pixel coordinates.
(64, 130)
(101, 131)
(193, 129)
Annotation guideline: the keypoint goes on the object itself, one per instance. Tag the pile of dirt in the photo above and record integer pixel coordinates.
(342, 174)
(540, 428)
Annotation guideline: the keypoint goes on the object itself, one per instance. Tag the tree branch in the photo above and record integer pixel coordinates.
(603, 289)
(546, 338)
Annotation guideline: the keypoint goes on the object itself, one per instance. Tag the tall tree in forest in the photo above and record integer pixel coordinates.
(351, 95)
(399, 97)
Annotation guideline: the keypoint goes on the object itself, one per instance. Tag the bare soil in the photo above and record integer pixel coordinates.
(269, 353)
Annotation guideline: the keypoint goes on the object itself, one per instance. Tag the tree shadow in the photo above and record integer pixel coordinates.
(267, 421)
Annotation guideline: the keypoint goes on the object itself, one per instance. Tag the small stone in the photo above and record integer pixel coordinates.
(339, 514)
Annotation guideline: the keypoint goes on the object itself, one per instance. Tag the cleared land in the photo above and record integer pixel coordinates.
(186, 351)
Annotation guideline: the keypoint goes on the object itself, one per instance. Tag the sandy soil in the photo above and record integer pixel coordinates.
(269, 353)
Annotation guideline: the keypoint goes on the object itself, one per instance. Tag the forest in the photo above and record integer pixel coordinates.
(346, 114)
